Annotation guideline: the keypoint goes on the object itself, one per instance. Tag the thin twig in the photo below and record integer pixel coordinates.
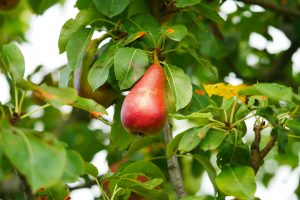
(255, 158)
(173, 166)
(35, 110)
(21, 102)
(275, 7)
(16, 99)
(268, 147)
(258, 155)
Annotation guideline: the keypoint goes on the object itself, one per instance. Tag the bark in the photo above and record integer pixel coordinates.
(173, 166)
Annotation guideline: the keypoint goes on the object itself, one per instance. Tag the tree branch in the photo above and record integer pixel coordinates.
(255, 151)
(268, 147)
(272, 6)
(173, 166)
(258, 155)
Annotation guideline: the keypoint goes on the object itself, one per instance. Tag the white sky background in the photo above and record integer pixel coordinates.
(42, 49)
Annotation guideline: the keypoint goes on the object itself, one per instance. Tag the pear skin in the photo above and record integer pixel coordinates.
(144, 110)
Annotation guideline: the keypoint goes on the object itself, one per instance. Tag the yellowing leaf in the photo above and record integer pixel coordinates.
(199, 92)
(135, 36)
(96, 114)
(225, 90)
(176, 32)
(170, 30)
(140, 34)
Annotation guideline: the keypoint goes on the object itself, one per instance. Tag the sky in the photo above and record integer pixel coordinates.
(42, 49)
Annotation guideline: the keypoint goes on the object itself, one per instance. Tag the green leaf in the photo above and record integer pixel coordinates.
(237, 181)
(172, 146)
(99, 72)
(144, 167)
(143, 188)
(201, 119)
(131, 183)
(64, 76)
(198, 22)
(199, 100)
(90, 169)
(195, 115)
(89, 105)
(282, 138)
(57, 96)
(208, 12)
(77, 45)
(151, 184)
(59, 191)
(192, 138)
(144, 23)
(140, 142)
(294, 125)
(133, 37)
(233, 151)
(176, 32)
(13, 61)
(74, 166)
(191, 198)
(180, 85)
(213, 71)
(206, 164)
(119, 137)
(83, 18)
(39, 7)
(137, 7)
(241, 112)
(111, 8)
(227, 103)
(38, 156)
(268, 114)
(273, 91)
(185, 3)
(83, 4)
(27, 85)
(129, 64)
(213, 139)
(296, 98)
(78, 135)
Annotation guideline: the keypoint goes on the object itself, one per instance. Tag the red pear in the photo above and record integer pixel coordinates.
(144, 109)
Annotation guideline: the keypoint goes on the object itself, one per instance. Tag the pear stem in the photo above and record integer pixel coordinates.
(173, 165)
(155, 56)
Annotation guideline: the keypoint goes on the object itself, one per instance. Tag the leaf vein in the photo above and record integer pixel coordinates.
(128, 68)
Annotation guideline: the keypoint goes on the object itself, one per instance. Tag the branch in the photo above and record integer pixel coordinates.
(272, 6)
(173, 166)
(255, 158)
(268, 147)
(258, 155)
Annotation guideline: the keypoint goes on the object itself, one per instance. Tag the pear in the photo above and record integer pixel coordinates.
(144, 110)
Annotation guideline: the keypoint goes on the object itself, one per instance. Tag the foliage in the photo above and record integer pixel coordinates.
(197, 49)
